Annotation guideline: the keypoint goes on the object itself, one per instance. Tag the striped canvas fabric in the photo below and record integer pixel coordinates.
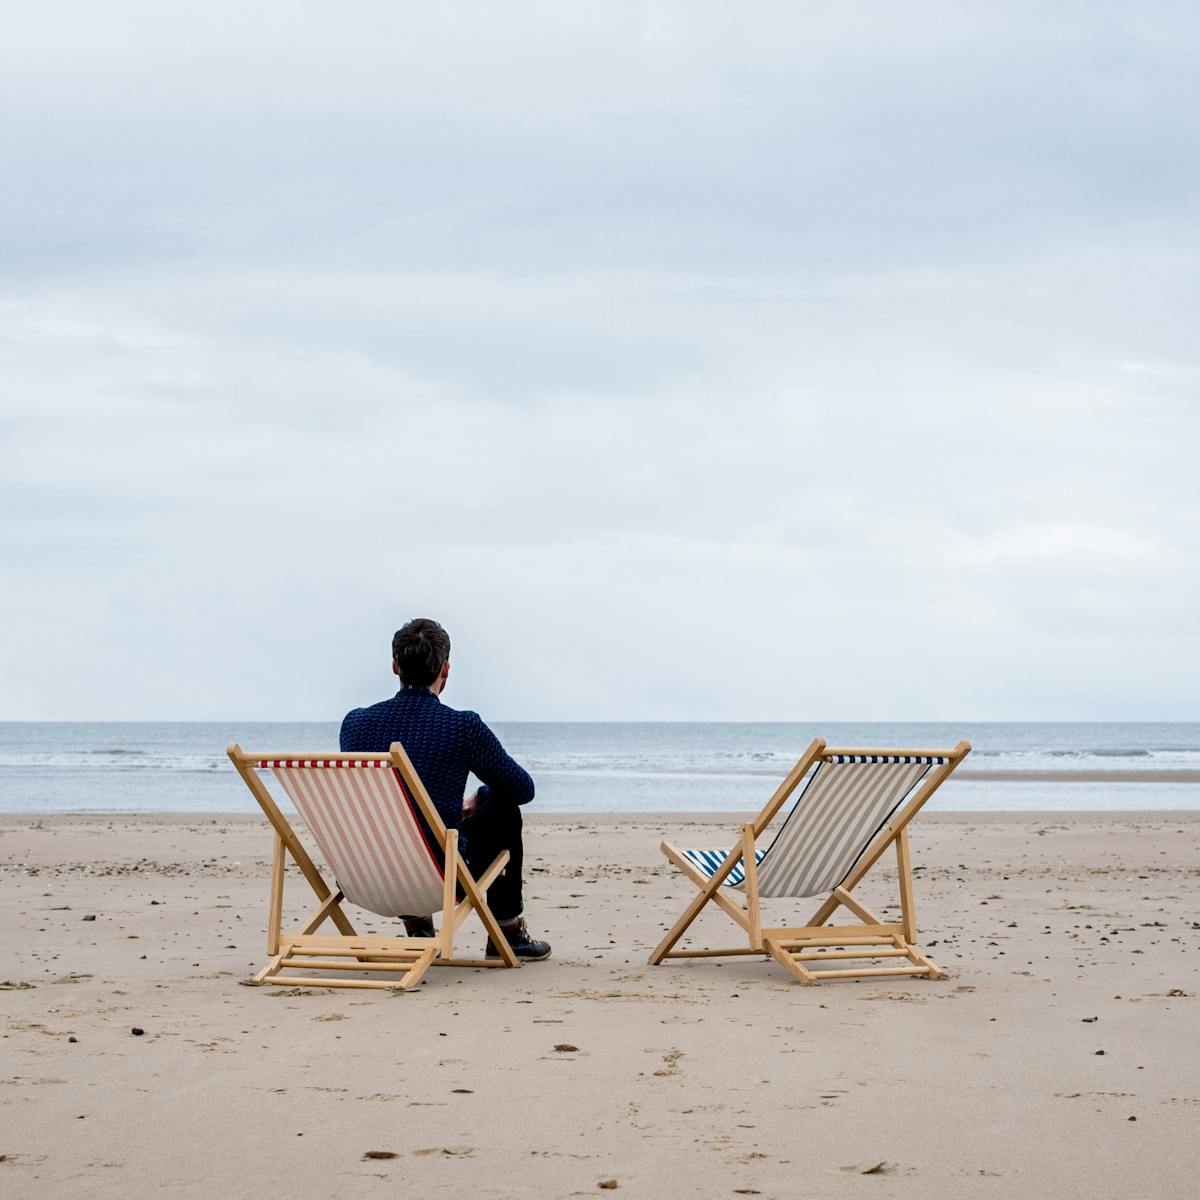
(711, 861)
(843, 806)
(363, 823)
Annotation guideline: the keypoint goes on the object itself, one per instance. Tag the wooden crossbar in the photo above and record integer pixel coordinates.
(356, 945)
(829, 753)
(323, 964)
(818, 953)
(836, 933)
(308, 981)
(867, 971)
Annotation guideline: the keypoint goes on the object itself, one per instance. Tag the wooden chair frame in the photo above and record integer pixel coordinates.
(795, 947)
(405, 958)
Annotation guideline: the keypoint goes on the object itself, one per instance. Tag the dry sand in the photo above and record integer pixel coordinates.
(1064, 937)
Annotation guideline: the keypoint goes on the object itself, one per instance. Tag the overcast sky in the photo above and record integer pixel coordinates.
(688, 361)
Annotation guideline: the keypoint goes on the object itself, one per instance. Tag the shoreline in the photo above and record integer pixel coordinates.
(1118, 775)
(732, 818)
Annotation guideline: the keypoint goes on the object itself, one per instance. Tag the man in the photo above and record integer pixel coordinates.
(445, 746)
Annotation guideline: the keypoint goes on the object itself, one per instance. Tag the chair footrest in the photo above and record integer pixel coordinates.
(331, 964)
(357, 947)
(866, 971)
(309, 981)
(818, 953)
(801, 954)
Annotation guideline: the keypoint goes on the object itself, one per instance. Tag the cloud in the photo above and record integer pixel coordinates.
(834, 365)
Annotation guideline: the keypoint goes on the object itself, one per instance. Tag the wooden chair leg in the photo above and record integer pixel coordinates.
(270, 969)
(449, 876)
(709, 889)
(416, 972)
(275, 917)
(753, 907)
(677, 930)
(857, 907)
(797, 970)
(329, 909)
(908, 911)
(480, 905)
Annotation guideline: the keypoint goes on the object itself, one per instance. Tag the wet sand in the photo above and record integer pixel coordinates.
(1164, 775)
(1065, 935)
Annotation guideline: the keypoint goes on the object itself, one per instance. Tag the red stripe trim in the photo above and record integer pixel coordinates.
(420, 822)
(319, 763)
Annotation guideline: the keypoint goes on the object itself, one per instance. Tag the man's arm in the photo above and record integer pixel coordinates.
(492, 765)
(347, 741)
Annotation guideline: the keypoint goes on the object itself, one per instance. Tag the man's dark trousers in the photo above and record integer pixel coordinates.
(495, 826)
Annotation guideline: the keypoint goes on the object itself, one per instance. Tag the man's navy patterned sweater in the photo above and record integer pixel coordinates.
(444, 744)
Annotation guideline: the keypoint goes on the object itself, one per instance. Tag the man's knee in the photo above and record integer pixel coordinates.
(496, 820)
(506, 818)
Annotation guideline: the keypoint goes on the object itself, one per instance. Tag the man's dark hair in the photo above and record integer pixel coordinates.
(419, 649)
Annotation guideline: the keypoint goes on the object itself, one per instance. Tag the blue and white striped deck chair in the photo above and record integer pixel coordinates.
(854, 804)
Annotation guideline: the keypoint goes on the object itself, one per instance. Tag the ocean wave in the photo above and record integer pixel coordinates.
(106, 760)
(1100, 752)
(620, 759)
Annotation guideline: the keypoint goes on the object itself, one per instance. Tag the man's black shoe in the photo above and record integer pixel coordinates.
(421, 927)
(530, 949)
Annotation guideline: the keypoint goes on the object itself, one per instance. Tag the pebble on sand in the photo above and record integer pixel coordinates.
(137, 1031)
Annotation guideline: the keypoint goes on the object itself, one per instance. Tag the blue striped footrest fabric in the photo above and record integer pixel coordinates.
(711, 861)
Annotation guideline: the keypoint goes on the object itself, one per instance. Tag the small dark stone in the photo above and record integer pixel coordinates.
(1133, 1118)
(72, 1038)
(1090, 1020)
(1099, 1051)
(90, 917)
(137, 1032)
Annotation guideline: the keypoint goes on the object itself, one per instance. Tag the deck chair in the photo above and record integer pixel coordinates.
(362, 811)
(855, 804)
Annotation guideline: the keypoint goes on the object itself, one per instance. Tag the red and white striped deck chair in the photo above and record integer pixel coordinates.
(362, 811)
(854, 805)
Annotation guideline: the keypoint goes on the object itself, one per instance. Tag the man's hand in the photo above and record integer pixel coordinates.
(470, 804)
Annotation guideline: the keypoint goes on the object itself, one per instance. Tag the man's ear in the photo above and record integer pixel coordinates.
(395, 667)
(446, 670)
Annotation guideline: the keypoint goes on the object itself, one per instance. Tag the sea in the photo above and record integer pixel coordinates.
(617, 767)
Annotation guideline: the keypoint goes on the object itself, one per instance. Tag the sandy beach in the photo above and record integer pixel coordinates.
(1060, 1058)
